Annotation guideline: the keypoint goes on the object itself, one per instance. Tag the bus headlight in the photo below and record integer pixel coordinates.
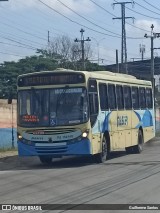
(19, 137)
(85, 134)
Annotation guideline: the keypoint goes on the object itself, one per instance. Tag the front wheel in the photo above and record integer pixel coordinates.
(45, 159)
(101, 157)
(139, 147)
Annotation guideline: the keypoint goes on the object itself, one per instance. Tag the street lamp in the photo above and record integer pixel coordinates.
(98, 42)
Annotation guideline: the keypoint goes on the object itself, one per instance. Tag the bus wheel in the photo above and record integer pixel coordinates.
(139, 147)
(45, 159)
(101, 157)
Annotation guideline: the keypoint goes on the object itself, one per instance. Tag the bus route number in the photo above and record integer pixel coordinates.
(122, 120)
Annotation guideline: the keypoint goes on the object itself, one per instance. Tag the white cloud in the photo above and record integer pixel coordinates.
(19, 4)
(81, 6)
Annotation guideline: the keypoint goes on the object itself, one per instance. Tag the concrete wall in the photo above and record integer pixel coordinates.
(8, 121)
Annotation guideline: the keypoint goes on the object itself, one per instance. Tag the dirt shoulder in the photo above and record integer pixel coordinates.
(4, 154)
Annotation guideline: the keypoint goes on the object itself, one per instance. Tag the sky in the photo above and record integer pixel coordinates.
(24, 26)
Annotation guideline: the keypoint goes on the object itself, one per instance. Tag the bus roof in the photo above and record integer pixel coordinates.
(103, 75)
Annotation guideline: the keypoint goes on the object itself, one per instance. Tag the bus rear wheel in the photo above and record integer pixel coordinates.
(45, 159)
(101, 157)
(139, 147)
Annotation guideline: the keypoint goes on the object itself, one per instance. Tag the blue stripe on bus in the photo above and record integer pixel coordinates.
(146, 120)
(79, 148)
(106, 123)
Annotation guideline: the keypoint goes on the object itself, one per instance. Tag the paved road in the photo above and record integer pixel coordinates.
(124, 179)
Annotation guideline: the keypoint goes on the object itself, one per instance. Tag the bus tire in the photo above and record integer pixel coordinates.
(139, 147)
(45, 159)
(102, 156)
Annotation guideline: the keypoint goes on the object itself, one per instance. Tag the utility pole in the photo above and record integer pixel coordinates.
(49, 47)
(117, 64)
(142, 50)
(152, 37)
(82, 40)
(123, 42)
(48, 38)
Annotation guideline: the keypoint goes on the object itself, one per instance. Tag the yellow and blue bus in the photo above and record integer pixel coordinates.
(66, 112)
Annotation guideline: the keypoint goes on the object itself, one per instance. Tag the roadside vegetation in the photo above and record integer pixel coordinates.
(61, 52)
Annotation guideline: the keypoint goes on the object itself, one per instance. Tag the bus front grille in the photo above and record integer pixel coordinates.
(51, 150)
(53, 131)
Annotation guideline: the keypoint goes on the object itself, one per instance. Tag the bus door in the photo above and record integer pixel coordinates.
(94, 110)
(104, 110)
(112, 116)
(121, 118)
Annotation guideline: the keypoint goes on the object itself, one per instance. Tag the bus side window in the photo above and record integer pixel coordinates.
(93, 101)
(111, 97)
(120, 99)
(149, 102)
(103, 97)
(135, 98)
(142, 97)
(127, 97)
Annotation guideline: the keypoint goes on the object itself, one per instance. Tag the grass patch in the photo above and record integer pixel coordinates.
(8, 149)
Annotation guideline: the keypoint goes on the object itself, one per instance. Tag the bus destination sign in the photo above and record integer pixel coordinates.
(51, 79)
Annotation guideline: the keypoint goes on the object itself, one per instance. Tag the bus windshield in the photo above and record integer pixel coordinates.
(52, 107)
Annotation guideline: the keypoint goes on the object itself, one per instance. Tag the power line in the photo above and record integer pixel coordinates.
(83, 24)
(76, 21)
(152, 5)
(12, 54)
(86, 18)
(23, 31)
(26, 47)
(17, 42)
(146, 8)
(142, 14)
(25, 39)
(124, 46)
(116, 16)
(19, 16)
(103, 8)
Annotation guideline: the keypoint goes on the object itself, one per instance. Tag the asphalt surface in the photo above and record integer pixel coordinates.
(123, 179)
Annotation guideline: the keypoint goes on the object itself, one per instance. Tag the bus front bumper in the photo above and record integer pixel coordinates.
(82, 147)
